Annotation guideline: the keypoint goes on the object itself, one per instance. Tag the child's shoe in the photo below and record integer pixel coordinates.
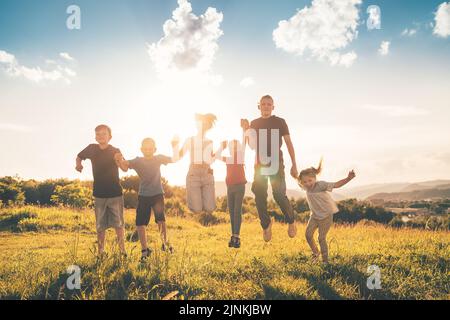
(145, 254)
(166, 247)
(235, 242)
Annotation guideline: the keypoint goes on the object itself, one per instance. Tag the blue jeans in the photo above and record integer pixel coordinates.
(235, 196)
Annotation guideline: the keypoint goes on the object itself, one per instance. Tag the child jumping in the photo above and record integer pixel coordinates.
(236, 182)
(151, 194)
(322, 207)
(107, 189)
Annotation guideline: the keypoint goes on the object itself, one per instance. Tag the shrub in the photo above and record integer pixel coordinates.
(72, 195)
(10, 192)
(130, 199)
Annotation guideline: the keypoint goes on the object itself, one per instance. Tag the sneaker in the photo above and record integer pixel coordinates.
(235, 242)
(267, 233)
(292, 230)
(145, 254)
(166, 247)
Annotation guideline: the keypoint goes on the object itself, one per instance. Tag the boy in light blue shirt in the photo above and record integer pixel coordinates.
(151, 193)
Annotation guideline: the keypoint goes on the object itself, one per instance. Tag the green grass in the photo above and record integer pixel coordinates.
(38, 244)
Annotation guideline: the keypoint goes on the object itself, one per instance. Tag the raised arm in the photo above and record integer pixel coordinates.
(178, 154)
(343, 182)
(291, 150)
(245, 125)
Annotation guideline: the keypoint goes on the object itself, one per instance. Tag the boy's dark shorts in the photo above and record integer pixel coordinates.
(144, 209)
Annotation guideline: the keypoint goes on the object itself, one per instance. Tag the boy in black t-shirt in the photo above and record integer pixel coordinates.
(107, 189)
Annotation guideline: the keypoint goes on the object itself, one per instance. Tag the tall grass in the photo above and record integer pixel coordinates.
(38, 245)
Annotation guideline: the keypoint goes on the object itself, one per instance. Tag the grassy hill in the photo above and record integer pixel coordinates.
(38, 245)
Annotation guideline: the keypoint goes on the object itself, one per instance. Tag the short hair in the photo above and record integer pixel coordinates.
(148, 140)
(103, 127)
(269, 97)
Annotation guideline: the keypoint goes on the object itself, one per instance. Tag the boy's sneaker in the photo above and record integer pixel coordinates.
(267, 233)
(166, 247)
(145, 254)
(235, 242)
(292, 230)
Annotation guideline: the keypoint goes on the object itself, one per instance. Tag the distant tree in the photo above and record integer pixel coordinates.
(31, 190)
(10, 192)
(72, 195)
(47, 188)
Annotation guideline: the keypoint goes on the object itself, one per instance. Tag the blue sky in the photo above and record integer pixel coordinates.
(386, 115)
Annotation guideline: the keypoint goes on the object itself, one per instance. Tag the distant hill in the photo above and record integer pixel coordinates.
(363, 192)
(440, 192)
(382, 191)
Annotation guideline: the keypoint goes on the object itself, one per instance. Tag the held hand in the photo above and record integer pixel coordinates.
(224, 144)
(175, 142)
(118, 157)
(351, 175)
(294, 172)
(245, 125)
(79, 168)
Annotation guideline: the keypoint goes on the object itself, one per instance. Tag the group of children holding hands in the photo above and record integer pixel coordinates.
(269, 134)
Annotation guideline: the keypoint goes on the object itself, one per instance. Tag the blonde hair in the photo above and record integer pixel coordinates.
(208, 120)
(311, 172)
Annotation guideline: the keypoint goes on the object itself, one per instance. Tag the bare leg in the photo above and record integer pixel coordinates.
(142, 236)
(163, 231)
(324, 227)
(101, 235)
(310, 230)
(120, 232)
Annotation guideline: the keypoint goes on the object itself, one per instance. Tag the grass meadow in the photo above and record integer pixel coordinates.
(39, 244)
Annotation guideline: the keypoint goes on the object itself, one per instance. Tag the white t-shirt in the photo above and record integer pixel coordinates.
(320, 202)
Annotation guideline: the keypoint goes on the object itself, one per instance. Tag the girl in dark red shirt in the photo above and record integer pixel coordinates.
(236, 182)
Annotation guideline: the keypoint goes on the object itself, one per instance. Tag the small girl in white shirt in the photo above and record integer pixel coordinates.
(322, 207)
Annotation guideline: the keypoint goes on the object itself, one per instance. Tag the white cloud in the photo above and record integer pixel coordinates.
(66, 56)
(397, 111)
(12, 67)
(323, 30)
(384, 48)
(442, 20)
(189, 43)
(409, 32)
(247, 82)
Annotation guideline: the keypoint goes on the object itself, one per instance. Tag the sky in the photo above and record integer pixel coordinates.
(372, 99)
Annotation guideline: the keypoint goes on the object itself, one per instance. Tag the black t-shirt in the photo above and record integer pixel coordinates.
(271, 123)
(104, 169)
